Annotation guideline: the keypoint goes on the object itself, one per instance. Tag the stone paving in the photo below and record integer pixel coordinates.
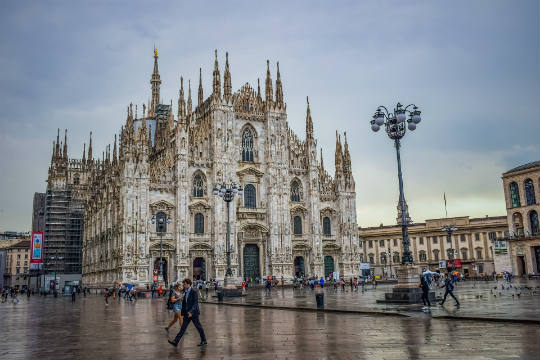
(478, 299)
(49, 328)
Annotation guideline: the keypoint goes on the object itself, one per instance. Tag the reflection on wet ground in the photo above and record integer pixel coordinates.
(57, 329)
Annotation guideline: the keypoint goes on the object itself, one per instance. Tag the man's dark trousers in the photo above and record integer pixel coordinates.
(185, 324)
(446, 293)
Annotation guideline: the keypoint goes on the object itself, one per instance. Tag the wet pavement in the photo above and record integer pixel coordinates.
(478, 299)
(49, 328)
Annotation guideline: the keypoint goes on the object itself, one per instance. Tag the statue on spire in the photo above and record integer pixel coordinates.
(309, 121)
(155, 82)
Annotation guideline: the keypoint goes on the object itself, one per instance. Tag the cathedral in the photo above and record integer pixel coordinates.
(151, 196)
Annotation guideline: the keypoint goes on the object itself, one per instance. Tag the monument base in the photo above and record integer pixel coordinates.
(407, 290)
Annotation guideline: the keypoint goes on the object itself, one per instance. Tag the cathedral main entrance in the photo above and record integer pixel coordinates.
(199, 269)
(299, 270)
(328, 265)
(251, 261)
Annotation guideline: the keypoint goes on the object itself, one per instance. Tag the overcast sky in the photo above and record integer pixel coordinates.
(471, 66)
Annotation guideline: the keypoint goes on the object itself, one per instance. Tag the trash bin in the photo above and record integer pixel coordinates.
(319, 298)
(220, 296)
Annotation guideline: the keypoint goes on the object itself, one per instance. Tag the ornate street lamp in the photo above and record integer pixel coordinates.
(227, 192)
(161, 231)
(449, 229)
(395, 128)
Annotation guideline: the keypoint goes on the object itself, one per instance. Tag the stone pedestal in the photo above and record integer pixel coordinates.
(407, 290)
(231, 287)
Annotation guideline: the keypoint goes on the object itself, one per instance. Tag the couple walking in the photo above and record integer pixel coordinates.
(186, 310)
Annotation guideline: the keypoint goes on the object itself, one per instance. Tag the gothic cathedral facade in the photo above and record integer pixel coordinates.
(152, 196)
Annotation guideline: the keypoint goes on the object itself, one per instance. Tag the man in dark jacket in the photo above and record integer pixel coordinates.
(425, 290)
(191, 312)
(449, 290)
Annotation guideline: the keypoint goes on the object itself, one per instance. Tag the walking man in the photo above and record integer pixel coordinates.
(425, 291)
(73, 293)
(191, 312)
(449, 289)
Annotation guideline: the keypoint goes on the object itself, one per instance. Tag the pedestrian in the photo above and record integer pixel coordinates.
(425, 292)
(322, 282)
(153, 290)
(73, 293)
(449, 290)
(206, 287)
(374, 282)
(190, 310)
(28, 294)
(107, 294)
(15, 296)
(176, 300)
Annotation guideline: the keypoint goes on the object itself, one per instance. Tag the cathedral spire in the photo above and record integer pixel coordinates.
(53, 151)
(217, 78)
(338, 156)
(84, 154)
(346, 157)
(114, 152)
(189, 98)
(200, 89)
(259, 89)
(181, 103)
(322, 162)
(57, 150)
(155, 81)
(309, 122)
(90, 158)
(268, 90)
(227, 86)
(279, 89)
(65, 144)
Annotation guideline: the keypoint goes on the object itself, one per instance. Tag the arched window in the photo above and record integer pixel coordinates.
(250, 196)
(422, 256)
(199, 223)
(198, 186)
(76, 179)
(436, 255)
(463, 254)
(533, 217)
(161, 222)
(529, 192)
(327, 230)
(479, 253)
(297, 225)
(371, 259)
(296, 191)
(247, 145)
(514, 195)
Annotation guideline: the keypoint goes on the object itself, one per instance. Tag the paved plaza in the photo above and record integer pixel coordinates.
(49, 328)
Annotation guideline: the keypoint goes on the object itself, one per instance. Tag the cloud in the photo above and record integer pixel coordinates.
(472, 67)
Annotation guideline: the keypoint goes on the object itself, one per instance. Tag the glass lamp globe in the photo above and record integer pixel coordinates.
(379, 120)
(412, 126)
(375, 127)
(401, 116)
(416, 117)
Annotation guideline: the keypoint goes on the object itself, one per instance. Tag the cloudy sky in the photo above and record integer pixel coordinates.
(471, 66)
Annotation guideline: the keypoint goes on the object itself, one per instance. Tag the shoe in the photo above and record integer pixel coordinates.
(167, 329)
(202, 343)
(172, 343)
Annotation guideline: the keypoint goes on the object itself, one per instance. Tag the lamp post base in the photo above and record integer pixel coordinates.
(230, 287)
(407, 290)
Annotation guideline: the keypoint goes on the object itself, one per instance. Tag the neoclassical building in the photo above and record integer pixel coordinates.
(293, 219)
(472, 243)
(519, 251)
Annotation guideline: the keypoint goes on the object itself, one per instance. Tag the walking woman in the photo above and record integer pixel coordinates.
(176, 299)
(425, 292)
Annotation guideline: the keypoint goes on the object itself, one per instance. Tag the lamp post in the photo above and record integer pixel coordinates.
(227, 192)
(390, 258)
(395, 128)
(160, 229)
(449, 229)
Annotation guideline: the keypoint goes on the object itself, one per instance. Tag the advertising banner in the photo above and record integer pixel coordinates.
(364, 266)
(442, 264)
(36, 248)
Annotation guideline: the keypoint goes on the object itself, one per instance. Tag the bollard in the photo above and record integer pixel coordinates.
(319, 298)
(220, 296)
